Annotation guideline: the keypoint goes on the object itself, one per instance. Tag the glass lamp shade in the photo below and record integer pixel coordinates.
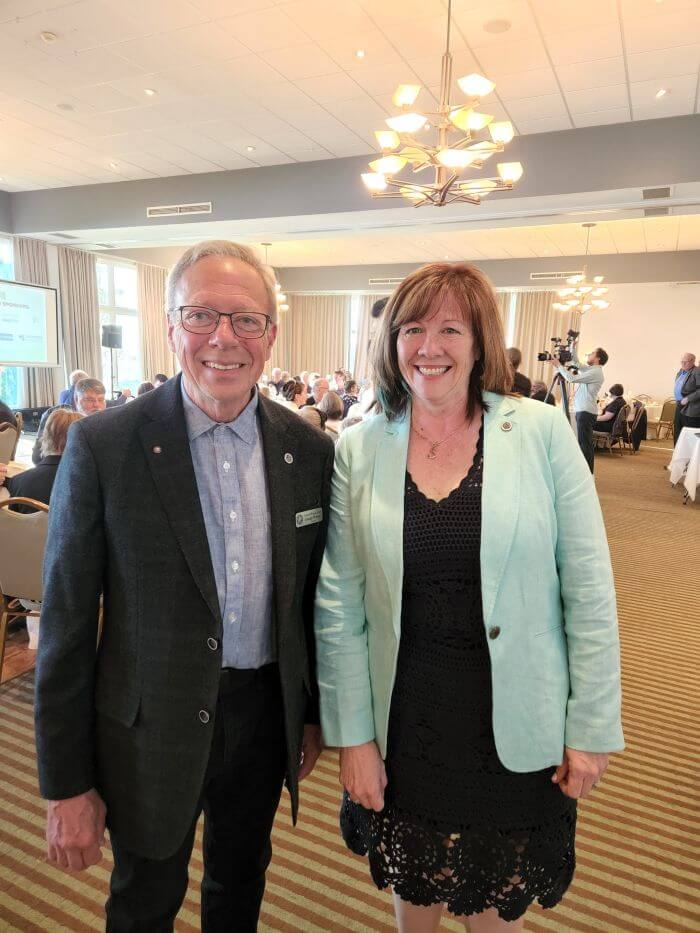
(407, 122)
(484, 149)
(469, 120)
(387, 140)
(475, 85)
(284, 307)
(476, 186)
(598, 279)
(597, 292)
(389, 165)
(405, 94)
(510, 171)
(456, 158)
(374, 181)
(600, 304)
(412, 194)
(281, 296)
(502, 132)
(560, 306)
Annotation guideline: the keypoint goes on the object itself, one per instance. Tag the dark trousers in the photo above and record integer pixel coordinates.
(585, 424)
(688, 422)
(239, 798)
(677, 422)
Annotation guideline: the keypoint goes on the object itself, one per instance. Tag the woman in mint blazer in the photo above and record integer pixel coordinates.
(467, 646)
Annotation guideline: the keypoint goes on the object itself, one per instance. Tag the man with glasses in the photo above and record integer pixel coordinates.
(200, 512)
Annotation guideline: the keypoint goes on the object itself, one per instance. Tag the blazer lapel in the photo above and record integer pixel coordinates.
(281, 464)
(167, 452)
(500, 496)
(387, 508)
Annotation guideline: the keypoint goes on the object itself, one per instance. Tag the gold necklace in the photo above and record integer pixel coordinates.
(432, 453)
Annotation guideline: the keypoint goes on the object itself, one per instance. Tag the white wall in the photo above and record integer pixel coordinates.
(645, 332)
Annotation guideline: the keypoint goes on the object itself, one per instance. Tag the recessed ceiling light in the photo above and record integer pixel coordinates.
(112, 164)
(150, 91)
(48, 36)
(662, 92)
(497, 25)
(250, 148)
(360, 53)
(65, 106)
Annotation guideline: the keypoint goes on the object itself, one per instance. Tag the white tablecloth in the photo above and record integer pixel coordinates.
(654, 411)
(686, 458)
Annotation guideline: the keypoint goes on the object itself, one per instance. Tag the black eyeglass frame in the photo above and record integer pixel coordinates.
(229, 315)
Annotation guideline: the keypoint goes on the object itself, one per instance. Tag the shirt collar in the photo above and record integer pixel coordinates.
(198, 422)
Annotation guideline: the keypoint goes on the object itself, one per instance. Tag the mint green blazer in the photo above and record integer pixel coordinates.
(546, 583)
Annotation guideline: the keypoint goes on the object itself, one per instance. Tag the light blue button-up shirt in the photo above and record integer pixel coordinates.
(229, 467)
(590, 381)
(680, 379)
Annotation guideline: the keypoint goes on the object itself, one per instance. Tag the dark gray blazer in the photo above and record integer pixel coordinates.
(126, 719)
(691, 389)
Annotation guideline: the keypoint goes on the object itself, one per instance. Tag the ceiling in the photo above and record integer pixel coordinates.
(430, 243)
(245, 83)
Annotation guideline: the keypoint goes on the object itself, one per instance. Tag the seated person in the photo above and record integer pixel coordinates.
(350, 396)
(606, 419)
(331, 406)
(89, 398)
(67, 395)
(144, 387)
(38, 482)
(159, 379)
(521, 384)
(293, 394)
(539, 393)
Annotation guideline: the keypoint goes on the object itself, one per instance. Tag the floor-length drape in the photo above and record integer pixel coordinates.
(79, 310)
(314, 334)
(361, 368)
(156, 356)
(536, 322)
(41, 383)
(503, 302)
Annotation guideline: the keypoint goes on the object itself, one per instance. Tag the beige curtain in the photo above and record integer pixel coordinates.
(31, 266)
(536, 322)
(156, 356)
(503, 302)
(313, 334)
(368, 326)
(79, 310)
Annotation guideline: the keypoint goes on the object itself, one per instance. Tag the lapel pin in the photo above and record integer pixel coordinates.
(157, 450)
(506, 426)
(288, 458)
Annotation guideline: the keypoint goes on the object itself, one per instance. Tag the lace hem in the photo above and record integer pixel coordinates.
(469, 872)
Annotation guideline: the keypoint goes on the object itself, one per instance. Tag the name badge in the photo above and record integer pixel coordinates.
(309, 517)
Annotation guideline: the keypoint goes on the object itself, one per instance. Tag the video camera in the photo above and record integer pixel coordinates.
(561, 350)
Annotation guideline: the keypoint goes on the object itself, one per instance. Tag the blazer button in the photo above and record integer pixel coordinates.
(212, 643)
(203, 716)
(494, 631)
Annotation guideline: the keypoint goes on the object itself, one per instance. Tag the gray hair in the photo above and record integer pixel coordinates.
(220, 248)
(89, 385)
(77, 375)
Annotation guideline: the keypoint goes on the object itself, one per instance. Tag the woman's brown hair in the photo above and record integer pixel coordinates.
(55, 434)
(417, 298)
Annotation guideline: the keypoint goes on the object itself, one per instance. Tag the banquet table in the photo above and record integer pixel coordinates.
(686, 459)
(653, 410)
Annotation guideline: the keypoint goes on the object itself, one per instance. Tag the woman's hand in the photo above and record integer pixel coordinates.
(363, 775)
(579, 772)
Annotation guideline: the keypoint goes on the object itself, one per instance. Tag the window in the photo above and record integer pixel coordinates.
(11, 377)
(118, 298)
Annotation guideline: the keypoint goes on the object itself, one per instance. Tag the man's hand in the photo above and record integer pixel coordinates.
(684, 400)
(363, 775)
(75, 830)
(126, 393)
(311, 746)
(579, 772)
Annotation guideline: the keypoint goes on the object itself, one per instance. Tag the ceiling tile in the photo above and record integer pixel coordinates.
(429, 68)
(203, 43)
(649, 66)
(424, 36)
(512, 57)
(296, 62)
(661, 233)
(584, 75)
(383, 79)
(585, 45)
(248, 74)
(219, 8)
(566, 15)
(389, 12)
(331, 88)
(543, 124)
(535, 83)
(666, 30)
(599, 98)
(154, 15)
(537, 108)
(471, 23)
(264, 31)
(689, 232)
(321, 20)
(602, 117)
(672, 108)
(377, 48)
(681, 87)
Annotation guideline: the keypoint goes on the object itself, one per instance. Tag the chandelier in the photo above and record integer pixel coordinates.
(448, 157)
(580, 294)
(280, 297)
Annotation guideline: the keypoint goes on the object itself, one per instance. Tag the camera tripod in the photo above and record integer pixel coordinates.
(559, 380)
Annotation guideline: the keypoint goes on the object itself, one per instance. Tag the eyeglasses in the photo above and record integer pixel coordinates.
(200, 320)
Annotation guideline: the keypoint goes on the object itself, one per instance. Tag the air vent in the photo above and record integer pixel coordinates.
(384, 283)
(64, 236)
(652, 194)
(656, 211)
(552, 276)
(178, 210)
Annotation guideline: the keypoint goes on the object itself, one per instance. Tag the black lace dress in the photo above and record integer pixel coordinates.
(457, 827)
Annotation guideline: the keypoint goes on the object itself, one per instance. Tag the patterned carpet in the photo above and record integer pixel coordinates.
(638, 839)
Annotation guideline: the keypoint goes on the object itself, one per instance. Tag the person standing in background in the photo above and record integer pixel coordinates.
(590, 381)
(681, 392)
